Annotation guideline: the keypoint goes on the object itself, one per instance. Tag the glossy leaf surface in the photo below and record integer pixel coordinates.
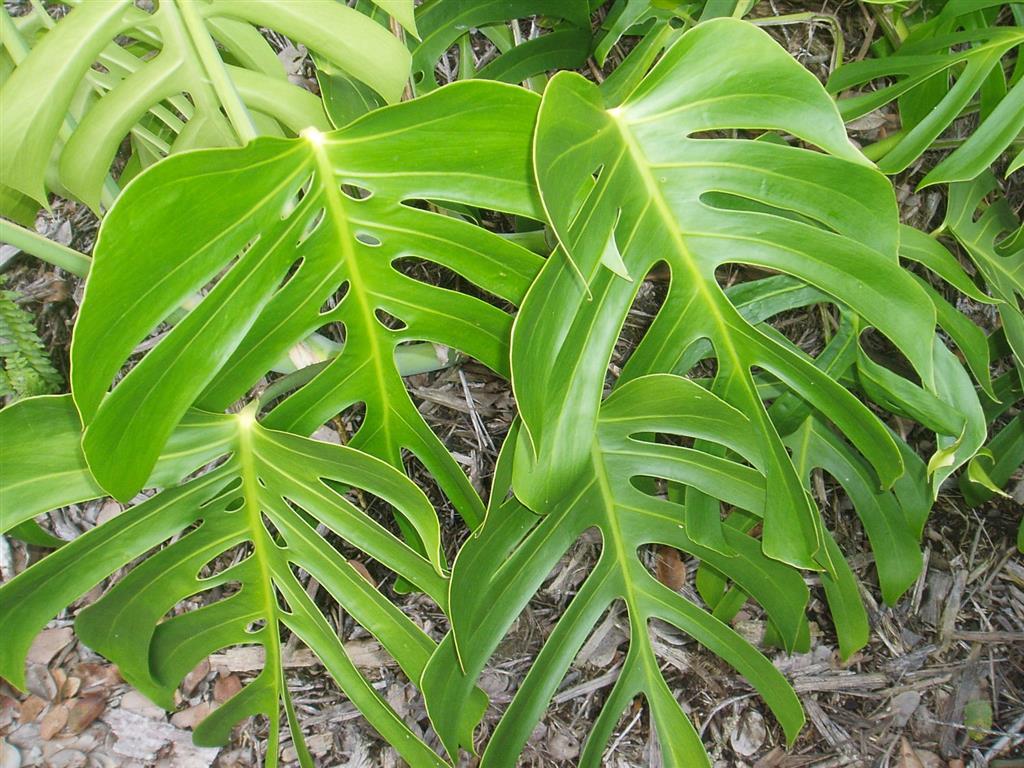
(498, 571)
(209, 57)
(630, 187)
(285, 224)
(944, 65)
(270, 492)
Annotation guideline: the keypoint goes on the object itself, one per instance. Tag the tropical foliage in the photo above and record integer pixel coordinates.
(274, 257)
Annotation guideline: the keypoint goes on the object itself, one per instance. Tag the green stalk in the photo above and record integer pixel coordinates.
(11, 38)
(214, 67)
(878, 150)
(810, 17)
(42, 248)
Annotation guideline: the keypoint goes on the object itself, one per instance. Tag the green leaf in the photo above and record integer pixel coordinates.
(624, 15)
(286, 224)
(993, 467)
(213, 51)
(978, 719)
(499, 569)
(895, 539)
(268, 493)
(936, 73)
(978, 225)
(42, 462)
(637, 172)
(441, 24)
(43, 466)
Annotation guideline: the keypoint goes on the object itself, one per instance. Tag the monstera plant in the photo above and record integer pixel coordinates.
(513, 218)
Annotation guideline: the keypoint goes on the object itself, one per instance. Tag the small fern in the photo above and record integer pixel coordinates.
(26, 369)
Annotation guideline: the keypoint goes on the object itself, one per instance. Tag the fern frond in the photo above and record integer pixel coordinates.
(27, 370)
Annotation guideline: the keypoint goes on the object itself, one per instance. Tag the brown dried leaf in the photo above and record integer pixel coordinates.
(48, 644)
(31, 709)
(84, 711)
(363, 571)
(95, 675)
(39, 681)
(60, 677)
(226, 687)
(195, 677)
(907, 757)
(53, 722)
(191, 717)
(70, 688)
(670, 569)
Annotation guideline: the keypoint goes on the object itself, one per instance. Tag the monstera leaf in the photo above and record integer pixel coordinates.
(626, 189)
(441, 24)
(499, 569)
(271, 494)
(893, 519)
(630, 187)
(299, 234)
(186, 60)
(942, 66)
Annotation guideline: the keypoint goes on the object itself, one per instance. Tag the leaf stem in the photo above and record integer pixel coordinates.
(12, 38)
(43, 248)
(214, 67)
(810, 17)
(878, 150)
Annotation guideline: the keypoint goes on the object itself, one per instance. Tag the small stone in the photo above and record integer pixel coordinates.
(68, 758)
(749, 735)
(10, 757)
(539, 732)
(563, 746)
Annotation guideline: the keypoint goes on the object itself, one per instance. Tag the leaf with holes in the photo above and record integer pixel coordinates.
(263, 514)
(948, 67)
(498, 571)
(297, 235)
(186, 75)
(892, 518)
(630, 187)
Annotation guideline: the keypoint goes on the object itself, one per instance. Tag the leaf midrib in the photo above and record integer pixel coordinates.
(357, 281)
